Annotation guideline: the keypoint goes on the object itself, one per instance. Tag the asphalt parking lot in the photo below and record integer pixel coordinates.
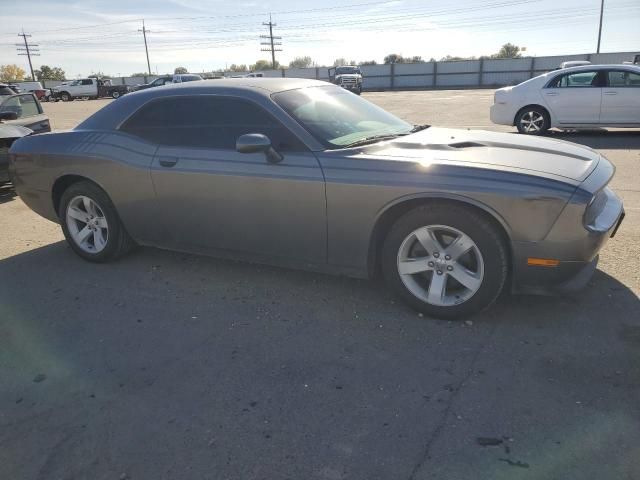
(172, 366)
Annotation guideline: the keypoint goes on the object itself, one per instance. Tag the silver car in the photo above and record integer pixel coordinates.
(305, 174)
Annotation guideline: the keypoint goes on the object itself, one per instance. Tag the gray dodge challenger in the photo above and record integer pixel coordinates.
(304, 174)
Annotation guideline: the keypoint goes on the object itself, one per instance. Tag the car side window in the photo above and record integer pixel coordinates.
(87, 82)
(577, 79)
(207, 121)
(23, 105)
(623, 78)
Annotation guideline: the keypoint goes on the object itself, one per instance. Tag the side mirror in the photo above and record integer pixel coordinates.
(8, 115)
(255, 143)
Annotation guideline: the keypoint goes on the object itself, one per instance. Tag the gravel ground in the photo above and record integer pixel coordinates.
(173, 366)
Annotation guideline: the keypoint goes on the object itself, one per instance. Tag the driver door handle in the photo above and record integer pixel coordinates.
(168, 161)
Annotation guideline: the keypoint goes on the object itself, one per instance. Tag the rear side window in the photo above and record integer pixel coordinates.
(207, 121)
(623, 78)
(87, 82)
(578, 79)
(23, 105)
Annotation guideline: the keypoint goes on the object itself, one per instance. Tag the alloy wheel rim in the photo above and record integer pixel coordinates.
(87, 224)
(440, 265)
(532, 122)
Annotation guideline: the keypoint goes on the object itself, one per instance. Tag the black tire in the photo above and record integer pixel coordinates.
(475, 225)
(118, 242)
(115, 94)
(65, 97)
(535, 117)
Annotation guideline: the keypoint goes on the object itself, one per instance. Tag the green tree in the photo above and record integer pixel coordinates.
(450, 58)
(50, 73)
(238, 68)
(368, 62)
(394, 58)
(180, 70)
(263, 65)
(99, 75)
(301, 62)
(11, 72)
(139, 74)
(508, 50)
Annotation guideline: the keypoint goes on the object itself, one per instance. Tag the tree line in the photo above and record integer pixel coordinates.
(12, 72)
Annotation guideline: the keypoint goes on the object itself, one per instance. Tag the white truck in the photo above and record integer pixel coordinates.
(347, 76)
(88, 88)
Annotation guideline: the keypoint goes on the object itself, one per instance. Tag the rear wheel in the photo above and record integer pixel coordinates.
(533, 121)
(445, 260)
(115, 94)
(91, 224)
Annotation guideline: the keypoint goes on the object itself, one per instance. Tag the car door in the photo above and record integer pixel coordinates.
(209, 196)
(621, 98)
(28, 110)
(575, 98)
(88, 87)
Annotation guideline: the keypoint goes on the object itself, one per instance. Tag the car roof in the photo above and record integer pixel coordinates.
(257, 88)
(592, 67)
(264, 84)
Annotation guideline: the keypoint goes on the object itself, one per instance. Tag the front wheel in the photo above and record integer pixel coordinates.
(444, 260)
(532, 121)
(65, 97)
(91, 224)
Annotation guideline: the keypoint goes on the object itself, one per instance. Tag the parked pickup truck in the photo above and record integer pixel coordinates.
(347, 76)
(88, 88)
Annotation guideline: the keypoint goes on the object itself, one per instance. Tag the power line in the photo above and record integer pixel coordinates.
(28, 50)
(271, 42)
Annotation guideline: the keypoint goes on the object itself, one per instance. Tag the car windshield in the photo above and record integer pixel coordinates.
(346, 70)
(338, 118)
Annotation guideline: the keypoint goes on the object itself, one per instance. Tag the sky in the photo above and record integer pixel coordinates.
(89, 36)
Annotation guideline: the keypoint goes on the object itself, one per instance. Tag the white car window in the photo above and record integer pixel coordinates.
(623, 78)
(577, 79)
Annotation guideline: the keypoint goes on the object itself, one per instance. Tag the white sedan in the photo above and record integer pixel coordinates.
(578, 97)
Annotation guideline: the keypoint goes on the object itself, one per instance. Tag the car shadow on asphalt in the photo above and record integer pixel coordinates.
(225, 360)
(600, 138)
(7, 193)
(154, 271)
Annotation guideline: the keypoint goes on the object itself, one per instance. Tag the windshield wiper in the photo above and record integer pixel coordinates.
(417, 128)
(372, 139)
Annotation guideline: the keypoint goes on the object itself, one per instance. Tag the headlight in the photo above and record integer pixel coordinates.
(595, 207)
(602, 212)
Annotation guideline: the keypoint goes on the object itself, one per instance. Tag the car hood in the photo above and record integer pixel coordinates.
(506, 151)
(14, 131)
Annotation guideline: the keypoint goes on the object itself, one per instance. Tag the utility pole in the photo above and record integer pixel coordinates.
(600, 28)
(28, 50)
(146, 49)
(271, 43)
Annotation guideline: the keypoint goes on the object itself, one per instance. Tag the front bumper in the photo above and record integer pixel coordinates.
(570, 275)
(350, 86)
